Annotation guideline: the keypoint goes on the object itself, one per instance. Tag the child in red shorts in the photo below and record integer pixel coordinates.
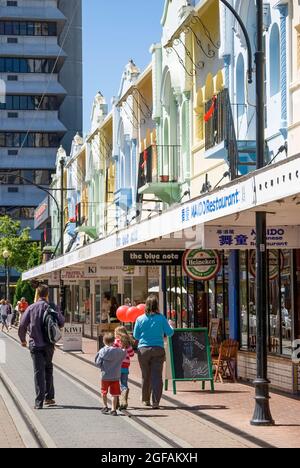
(109, 360)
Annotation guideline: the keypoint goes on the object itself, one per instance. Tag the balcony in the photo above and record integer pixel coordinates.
(159, 172)
(220, 137)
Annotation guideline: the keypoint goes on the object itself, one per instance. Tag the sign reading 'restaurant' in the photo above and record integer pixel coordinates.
(152, 258)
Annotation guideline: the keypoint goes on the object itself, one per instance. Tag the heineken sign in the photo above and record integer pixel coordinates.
(201, 265)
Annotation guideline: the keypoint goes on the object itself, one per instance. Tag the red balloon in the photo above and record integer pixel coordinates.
(132, 314)
(142, 308)
(122, 313)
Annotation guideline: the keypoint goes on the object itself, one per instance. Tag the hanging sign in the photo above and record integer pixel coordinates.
(96, 271)
(201, 265)
(273, 261)
(152, 257)
(244, 238)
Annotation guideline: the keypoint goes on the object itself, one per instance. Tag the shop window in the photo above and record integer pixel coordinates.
(280, 313)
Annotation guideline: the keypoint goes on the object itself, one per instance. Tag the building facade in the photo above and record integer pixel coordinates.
(41, 104)
(179, 172)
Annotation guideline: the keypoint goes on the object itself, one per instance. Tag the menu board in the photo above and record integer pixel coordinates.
(190, 356)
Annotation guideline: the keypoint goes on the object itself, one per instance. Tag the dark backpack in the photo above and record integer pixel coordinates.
(51, 330)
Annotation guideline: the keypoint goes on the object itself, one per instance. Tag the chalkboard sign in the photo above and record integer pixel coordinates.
(190, 357)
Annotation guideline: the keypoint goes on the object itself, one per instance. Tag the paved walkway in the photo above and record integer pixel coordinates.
(9, 435)
(229, 409)
(196, 418)
(77, 422)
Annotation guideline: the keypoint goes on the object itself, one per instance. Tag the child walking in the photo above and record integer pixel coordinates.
(109, 360)
(124, 341)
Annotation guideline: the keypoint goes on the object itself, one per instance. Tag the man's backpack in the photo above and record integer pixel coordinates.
(51, 329)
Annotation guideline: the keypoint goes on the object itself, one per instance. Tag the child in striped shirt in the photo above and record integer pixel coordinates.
(123, 340)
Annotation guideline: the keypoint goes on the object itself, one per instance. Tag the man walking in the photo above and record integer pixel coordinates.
(41, 351)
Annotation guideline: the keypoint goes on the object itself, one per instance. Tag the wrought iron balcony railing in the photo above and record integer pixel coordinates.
(159, 164)
(219, 127)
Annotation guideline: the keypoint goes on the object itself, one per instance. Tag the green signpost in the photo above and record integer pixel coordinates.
(189, 358)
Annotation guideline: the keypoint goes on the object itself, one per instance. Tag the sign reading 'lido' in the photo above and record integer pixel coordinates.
(201, 265)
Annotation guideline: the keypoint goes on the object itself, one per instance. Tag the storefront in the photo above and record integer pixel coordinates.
(226, 221)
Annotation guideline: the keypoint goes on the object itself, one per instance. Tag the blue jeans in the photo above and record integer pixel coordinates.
(124, 381)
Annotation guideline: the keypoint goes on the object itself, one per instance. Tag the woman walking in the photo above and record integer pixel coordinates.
(5, 311)
(150, 330)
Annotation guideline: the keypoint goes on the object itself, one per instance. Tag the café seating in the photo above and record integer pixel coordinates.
(225, 363)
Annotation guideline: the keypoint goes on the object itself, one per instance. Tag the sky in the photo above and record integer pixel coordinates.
(114, 32)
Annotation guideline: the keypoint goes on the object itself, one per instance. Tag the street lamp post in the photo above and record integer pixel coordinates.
(62, 159)
(6, 255)
(262, 413)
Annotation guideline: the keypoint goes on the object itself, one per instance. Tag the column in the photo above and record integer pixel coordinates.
(227, 63)
(283, 10)
(234, 299)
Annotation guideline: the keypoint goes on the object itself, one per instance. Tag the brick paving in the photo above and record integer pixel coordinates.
(9, 435)
(230, 409)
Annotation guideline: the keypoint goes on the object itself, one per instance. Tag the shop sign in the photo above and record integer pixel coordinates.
(41, 214)
(244, 238)
(273, 264)
(201, 265)
(72, 275)
(152, 258)
(72, 337)
(94, 271)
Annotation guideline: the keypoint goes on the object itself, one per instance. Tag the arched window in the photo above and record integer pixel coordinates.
(274, 61)
(240, 86)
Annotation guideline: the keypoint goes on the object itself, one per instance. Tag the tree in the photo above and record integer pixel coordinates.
(24, 289)
(24, 253)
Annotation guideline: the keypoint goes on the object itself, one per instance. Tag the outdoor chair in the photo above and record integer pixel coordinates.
(225, 364)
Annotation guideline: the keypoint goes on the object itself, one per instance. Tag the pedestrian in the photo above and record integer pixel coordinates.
(109, 360)
(124, 341)
(10, 315)
(113, 311)
(150, 330)
(105, 308)
(40, 349)
(4, 313)
(22, 307)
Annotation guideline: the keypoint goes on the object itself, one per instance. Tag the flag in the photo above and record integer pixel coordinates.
(145, 159)
(209, 114)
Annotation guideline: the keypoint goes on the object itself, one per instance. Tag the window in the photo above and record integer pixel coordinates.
(240, 88)
(30, 140)
(19, 65)
(280, 317)
(274, 61)
(27, 28)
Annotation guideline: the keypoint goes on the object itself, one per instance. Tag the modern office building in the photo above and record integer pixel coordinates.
(40, 97)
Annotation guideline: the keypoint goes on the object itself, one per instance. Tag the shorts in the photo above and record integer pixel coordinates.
(112, 387)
